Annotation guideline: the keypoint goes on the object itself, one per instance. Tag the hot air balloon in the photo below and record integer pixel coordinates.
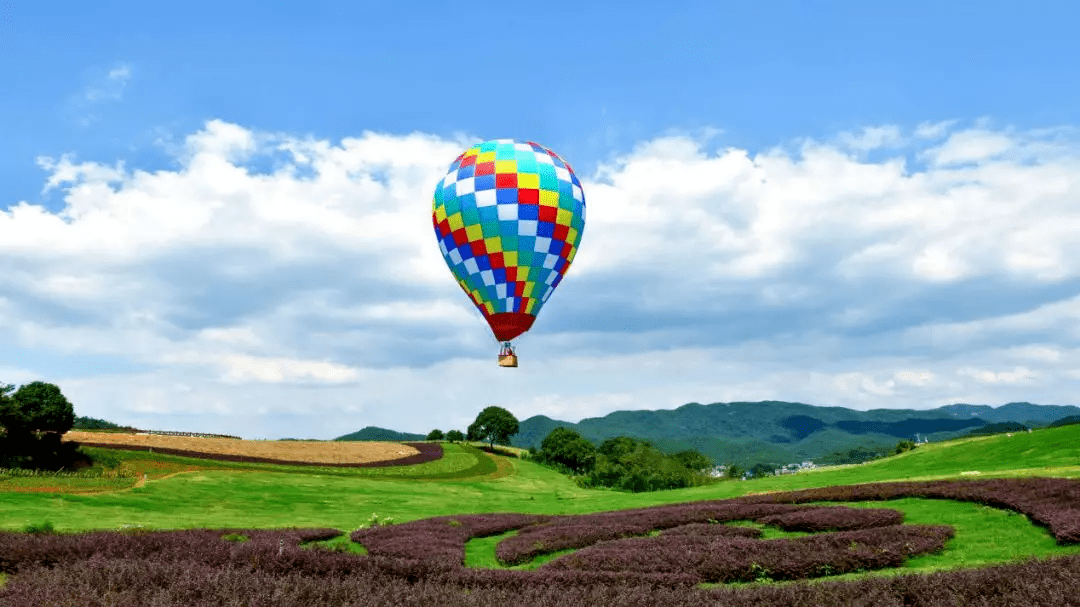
(509, 218)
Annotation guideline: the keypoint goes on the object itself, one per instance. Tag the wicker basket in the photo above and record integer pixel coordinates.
(507, 360)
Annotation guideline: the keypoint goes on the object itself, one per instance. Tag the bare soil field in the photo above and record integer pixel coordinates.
(312, 452)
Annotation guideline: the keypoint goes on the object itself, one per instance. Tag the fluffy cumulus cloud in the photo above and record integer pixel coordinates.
(275, 285)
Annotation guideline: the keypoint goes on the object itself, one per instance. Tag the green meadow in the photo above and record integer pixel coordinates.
(169, 492)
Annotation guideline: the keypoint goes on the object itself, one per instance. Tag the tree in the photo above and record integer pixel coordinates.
(455, 436)
(760, 470)
(567, 448)
(494, 425)
(904, 445)
(694, 460)
(33, 419)
(435, 434)
(38, 407)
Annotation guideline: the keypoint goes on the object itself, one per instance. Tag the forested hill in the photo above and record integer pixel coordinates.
(783, 432)
(374, 433)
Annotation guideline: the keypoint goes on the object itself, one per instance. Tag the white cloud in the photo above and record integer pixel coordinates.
(247, 296)
(1018, 374)
(970, 146)
(102, 87)
(110, 87)
(872, 138)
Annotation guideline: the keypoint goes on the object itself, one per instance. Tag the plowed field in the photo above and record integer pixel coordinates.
(315, 452)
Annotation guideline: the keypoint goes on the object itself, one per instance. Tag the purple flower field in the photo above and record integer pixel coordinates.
(618, 561)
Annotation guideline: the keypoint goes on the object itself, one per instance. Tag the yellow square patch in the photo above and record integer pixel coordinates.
(527, 291)
(506, 166)
(493, 244)
(549, 198)
(571, 236)
(510, 259)
(529, 181)
(485, 157)
(563, 217)
(440, 213)
(474, 232)
(456, 223)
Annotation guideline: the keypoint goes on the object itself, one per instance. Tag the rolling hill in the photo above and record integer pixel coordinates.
(781, 432)
(775, 432)
(380, 434)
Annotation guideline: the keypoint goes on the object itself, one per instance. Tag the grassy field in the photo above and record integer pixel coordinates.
(182, 493)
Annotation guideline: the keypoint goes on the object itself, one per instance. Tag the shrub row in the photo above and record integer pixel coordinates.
(1053, 502)
(836, 518)
(741, 559)
(565, 532)
(104, 582)
(439, 540)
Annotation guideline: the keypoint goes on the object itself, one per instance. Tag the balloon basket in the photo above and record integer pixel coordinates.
(507, 358)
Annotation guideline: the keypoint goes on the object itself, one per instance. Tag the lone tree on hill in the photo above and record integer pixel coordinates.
(494, 425)
(435, 434)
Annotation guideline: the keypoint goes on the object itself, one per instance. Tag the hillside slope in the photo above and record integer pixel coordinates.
(779, 432)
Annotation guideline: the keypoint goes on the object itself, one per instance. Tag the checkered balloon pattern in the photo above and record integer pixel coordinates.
(509, 217)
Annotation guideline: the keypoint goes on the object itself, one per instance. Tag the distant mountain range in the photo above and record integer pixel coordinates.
(773, 431)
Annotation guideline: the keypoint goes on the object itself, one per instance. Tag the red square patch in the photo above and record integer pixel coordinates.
(528, 196)
(506, 180)
(460, 237)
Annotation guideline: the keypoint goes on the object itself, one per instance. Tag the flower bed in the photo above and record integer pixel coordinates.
(565, 532)
(741, 559)
(421, 563)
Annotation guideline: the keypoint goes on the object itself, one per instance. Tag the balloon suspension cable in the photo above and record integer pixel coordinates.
(507, 349)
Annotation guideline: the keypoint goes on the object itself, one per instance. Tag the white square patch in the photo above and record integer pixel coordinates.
(508, 212)
(486, 198)
(542, 244)
(465, 186)
(527, 227)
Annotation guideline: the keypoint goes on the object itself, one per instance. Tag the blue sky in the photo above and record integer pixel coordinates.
(214, 215)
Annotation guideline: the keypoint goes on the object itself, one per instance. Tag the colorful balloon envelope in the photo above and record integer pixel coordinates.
(509, 218)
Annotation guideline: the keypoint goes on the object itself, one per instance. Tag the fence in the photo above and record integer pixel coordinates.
(194, 434)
